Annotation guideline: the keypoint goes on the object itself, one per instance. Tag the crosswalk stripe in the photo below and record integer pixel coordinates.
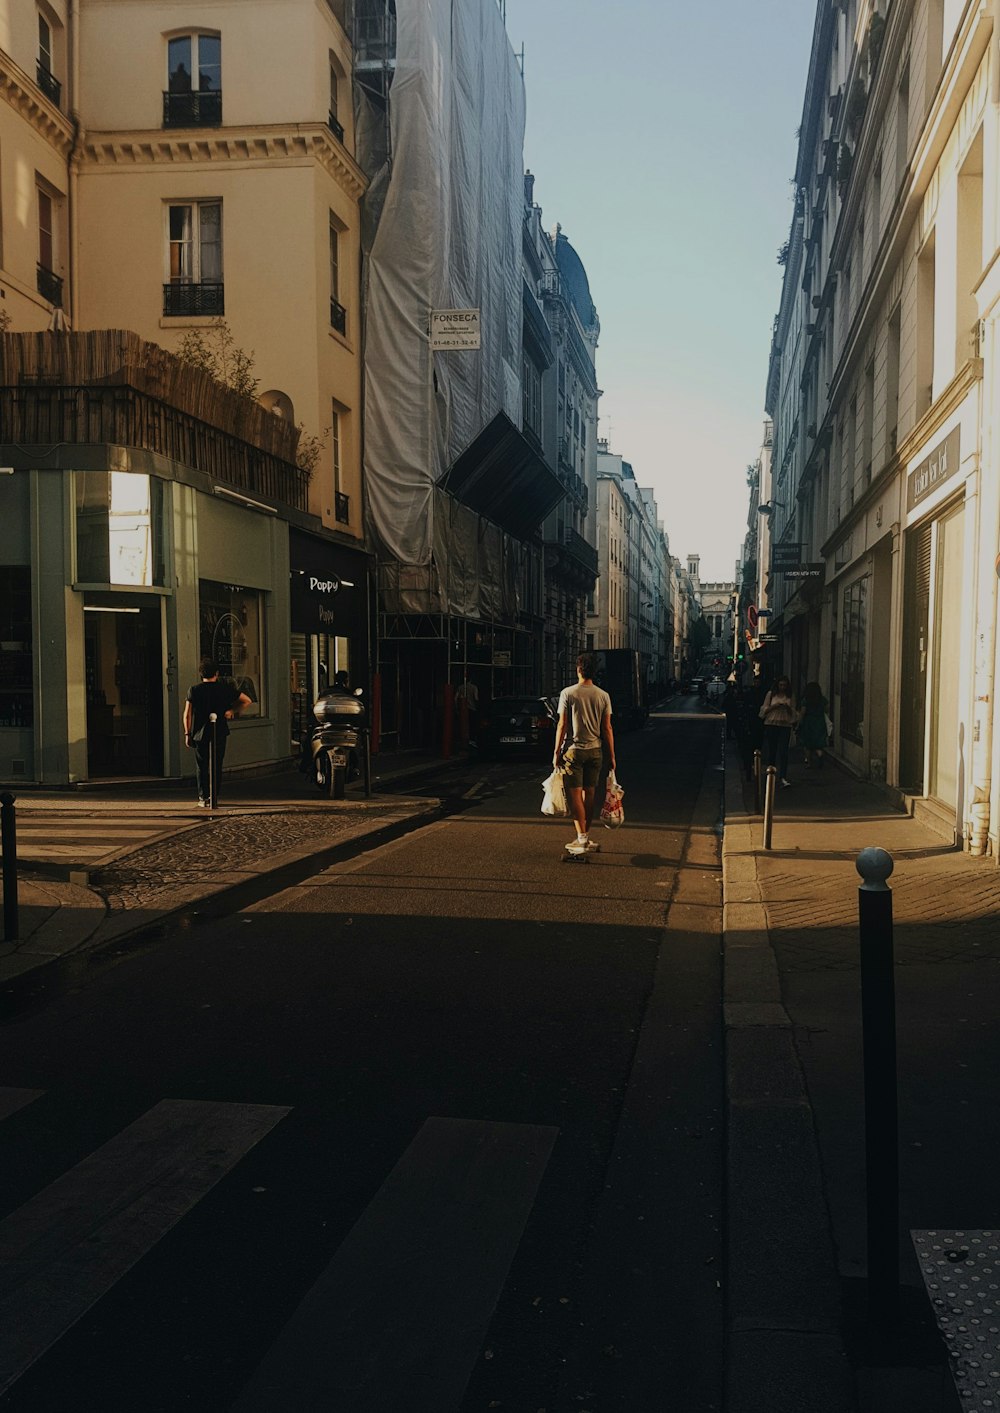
(13, 1099)
(398, 1317)
(67, 1246)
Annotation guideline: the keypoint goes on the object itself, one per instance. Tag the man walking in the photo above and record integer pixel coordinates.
(206, 697)
(585, 721)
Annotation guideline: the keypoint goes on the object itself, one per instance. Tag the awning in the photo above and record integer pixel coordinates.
(502, 477)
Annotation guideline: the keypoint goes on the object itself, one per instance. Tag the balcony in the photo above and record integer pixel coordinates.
(192, 110)
(182, 297)
(338, 317)
(49, 286)
(576, 547)
(336, 128)
(342, 508)
(48, 83)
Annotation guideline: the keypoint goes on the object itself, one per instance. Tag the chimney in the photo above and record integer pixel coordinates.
(529, 189)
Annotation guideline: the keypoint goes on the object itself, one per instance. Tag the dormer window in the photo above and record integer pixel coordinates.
(193, 97)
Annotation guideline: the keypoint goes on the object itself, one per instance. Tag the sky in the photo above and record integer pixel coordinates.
(661, 134)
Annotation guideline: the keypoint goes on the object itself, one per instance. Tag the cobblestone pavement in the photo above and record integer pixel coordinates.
(223, 844)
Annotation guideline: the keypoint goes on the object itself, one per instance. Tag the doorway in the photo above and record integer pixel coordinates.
(122, 645)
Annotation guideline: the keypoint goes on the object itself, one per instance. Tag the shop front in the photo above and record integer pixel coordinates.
(329, 598)
(937, 585)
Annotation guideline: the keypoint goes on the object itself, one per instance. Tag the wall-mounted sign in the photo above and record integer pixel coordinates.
(786, 556)
(942, 463)
(806, 571)
(752, 615)
(454, 328)
(768, 638)
(501, 659)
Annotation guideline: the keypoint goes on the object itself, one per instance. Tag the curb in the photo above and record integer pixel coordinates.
(784, 1346)
(229, 892)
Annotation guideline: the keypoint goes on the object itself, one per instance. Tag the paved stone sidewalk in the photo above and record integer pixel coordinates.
(796, 1085)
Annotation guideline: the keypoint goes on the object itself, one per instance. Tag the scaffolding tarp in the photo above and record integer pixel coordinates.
(448, 236)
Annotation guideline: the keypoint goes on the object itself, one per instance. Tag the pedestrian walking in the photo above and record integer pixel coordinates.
(207, 697)
(779, 714)
(585, 723)
(467, 710)
(811, 732)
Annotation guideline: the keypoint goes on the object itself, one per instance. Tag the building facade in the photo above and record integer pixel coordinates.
(882, 387)
(176, 174)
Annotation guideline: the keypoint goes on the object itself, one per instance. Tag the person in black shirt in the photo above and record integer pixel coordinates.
(205, 697)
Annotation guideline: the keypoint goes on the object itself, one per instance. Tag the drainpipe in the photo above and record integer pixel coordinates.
(73, 41)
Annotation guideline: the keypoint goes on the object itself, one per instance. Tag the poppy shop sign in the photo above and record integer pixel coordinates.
(454, 328)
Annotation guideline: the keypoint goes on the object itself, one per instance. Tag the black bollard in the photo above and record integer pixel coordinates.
(770, 784)
(756, 782)
(213, 746)
(878, 1020)
(8, 842)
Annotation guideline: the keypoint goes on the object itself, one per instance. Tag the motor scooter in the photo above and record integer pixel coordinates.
(340, 745)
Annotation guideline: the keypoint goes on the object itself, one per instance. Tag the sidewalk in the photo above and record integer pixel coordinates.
(795, 1088)
(119, 858)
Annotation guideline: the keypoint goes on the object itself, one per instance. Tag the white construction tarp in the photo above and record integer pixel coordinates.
(448, 237)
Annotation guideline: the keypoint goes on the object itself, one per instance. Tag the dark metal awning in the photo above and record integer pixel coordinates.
(502, 476)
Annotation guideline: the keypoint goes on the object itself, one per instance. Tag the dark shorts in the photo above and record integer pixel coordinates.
(582, 767)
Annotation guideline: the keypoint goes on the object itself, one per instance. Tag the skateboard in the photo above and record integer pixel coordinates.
(579, 858)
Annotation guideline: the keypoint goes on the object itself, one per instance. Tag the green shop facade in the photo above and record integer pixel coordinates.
(145, 522)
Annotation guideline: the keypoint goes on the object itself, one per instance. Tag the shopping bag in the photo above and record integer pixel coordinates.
(554, 796)
(612, 811)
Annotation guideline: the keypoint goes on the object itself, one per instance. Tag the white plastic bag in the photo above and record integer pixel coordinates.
(612, 813)
(554, 798)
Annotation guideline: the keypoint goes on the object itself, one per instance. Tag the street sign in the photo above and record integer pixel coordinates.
(786, 556)
(805, 571)
(454, 328)
(768, 638)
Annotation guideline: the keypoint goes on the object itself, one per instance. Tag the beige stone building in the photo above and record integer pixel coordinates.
(164, 167)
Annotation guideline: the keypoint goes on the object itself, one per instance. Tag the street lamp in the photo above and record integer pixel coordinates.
(766, 507)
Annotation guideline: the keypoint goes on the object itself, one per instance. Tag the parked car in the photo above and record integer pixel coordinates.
(518, 726)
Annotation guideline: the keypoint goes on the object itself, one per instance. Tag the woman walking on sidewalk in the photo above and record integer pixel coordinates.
(811, 732)
(779, 715)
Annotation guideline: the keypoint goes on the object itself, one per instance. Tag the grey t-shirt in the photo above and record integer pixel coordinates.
(584, 706)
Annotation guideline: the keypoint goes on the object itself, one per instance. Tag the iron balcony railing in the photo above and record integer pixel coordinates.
(47, 414)
(49, 286)
(182, 297)
(338, 317)
(580, 549)
(342, 508)
(192, 110)
(48, 83)
(336, 128)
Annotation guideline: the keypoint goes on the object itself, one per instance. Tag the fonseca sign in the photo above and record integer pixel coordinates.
(455, 328)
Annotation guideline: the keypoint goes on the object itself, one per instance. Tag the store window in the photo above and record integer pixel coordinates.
(119, 528)
(15, 646)
(231, 632)
(852, 667)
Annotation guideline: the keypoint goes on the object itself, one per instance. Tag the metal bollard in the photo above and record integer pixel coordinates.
(769, 788)
(8, 842)
(756, 782)
(878, 1021)
(213, 746)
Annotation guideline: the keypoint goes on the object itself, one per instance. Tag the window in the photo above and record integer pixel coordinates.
(342, 502)
(336, 127)
(47, 81)
(338, 314)
(194, 259)
(852, 666)
(187, 104)
(48, 283)
(16, 699)
(231, 631)
(119, 528)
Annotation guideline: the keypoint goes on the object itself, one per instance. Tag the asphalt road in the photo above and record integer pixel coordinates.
(439, 1128)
